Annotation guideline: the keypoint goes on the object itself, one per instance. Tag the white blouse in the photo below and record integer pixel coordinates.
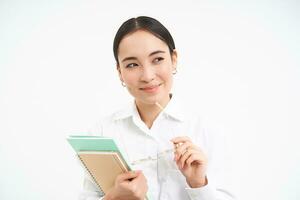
(149, 150)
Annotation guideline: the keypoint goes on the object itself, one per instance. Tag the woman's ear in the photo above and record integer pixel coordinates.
(119, 72)
(174, 59)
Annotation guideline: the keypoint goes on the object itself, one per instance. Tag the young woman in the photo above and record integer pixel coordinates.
(173, 154)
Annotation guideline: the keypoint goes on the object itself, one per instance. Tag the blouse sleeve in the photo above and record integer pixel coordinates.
(90, 190)
(219, 185)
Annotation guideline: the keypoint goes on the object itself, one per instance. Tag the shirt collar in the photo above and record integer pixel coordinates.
(173, 110)
(128, 111)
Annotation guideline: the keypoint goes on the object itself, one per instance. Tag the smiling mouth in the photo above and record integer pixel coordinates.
(151, 89)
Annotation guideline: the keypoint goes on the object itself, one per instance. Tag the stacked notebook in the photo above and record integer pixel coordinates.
(101, 157)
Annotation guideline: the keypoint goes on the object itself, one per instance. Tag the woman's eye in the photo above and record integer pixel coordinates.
(157, 60)
(131, 65)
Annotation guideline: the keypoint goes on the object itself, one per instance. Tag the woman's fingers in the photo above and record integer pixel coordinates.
(181, 139)
(181, 149)
(191, 156)
(139, 185)
(127, 176)
(185, 156)
(130, 185)
(197, 157)
(186, 152)
(140, 178)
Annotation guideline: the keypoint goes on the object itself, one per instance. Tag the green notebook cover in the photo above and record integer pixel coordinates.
(95, 143)
(92, 143)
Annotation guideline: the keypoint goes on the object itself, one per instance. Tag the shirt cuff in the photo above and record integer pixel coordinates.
(206, 192)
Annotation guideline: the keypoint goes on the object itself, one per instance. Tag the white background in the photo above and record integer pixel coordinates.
(239, 65)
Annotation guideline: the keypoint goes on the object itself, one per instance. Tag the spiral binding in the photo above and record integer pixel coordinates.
(90, 173)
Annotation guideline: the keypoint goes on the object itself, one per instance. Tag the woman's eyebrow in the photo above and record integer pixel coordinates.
(135, 58)
(129, 58)
(156, 52)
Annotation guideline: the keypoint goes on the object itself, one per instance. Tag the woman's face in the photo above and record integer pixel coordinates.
(146, 66)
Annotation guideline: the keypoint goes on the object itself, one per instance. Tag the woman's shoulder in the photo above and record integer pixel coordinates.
(204, 126)
(109, 120)
(196, 116)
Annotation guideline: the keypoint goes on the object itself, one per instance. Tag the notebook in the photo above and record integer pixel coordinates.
(101, 157)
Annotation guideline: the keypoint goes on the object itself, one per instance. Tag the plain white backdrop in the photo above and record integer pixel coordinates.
(239, 65)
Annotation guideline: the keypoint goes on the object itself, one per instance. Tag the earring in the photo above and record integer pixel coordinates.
(123, 84)
(174, 71)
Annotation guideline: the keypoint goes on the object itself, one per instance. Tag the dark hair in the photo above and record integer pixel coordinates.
(144, 23)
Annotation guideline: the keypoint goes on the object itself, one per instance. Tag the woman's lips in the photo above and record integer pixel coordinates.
(151, 89)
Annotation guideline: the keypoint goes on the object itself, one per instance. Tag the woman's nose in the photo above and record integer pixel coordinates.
(148, 73)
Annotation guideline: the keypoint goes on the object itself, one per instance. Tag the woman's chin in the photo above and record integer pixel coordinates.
(147, 101)
(153, 100)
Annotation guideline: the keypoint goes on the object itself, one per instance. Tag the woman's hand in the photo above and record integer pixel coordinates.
(191, 161)
(129, 185)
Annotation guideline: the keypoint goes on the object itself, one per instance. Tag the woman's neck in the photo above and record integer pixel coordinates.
(149, 112)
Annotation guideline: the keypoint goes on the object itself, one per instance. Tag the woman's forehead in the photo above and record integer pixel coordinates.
(140, 43)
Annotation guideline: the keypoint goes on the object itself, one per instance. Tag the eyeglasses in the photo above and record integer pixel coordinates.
(159, 155)
(152, 158)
